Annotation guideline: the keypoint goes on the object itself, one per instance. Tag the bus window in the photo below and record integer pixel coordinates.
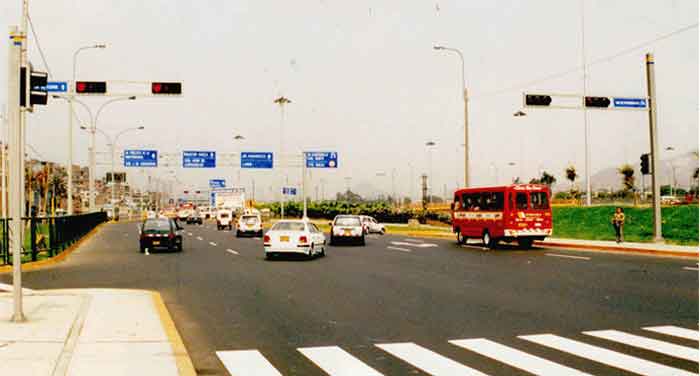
(521, 201)
(539, 201)
(492, 201)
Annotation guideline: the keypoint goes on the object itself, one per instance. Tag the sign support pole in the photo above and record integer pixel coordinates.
(653, 139)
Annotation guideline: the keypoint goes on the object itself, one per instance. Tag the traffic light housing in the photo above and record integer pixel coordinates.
(597, 102)
(537, 100)
(91, 87)
(645, 164)
(37, 88)
(166, 88)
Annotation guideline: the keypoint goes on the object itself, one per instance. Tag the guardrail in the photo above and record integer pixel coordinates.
(48, 236)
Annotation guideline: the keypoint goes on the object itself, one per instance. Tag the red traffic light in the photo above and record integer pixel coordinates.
(186, 192)
(90, 87)
(600, 102)
(172, 88)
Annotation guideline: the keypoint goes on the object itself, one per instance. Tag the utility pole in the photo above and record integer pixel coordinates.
(3, 164)
(16, 155)
(586, 130)
(303, 182)
(653, 139)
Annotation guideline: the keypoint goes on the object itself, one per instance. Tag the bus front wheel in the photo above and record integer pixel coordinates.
(488, 241)
(460, 238)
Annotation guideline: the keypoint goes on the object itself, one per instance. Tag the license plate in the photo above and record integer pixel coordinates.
(347, 232)
(284, 238)
(156, 242)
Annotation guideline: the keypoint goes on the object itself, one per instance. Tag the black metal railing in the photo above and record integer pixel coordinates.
(46, 237)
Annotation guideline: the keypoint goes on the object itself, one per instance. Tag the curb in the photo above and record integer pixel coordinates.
(33, 265)
(591, 248)
(185, 367)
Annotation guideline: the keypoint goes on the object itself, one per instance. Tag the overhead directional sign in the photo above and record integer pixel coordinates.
(289, 191)
(217, 183)
(630, 102)
(321, 159)
(140, 158)
(57, 86)
(256, 160)
(198, 159)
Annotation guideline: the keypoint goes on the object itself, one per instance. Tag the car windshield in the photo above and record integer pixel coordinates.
(288, 226)
(347, 221)
(152, 226)
(250, 219)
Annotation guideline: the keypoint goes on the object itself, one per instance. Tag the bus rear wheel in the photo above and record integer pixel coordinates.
(460, 238)
(488, 241)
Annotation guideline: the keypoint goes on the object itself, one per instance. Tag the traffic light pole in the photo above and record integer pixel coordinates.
(653, 139)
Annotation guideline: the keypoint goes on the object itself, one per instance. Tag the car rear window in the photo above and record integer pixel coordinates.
(250, 219)
(288, 226)
(347, 221)
(156, 226)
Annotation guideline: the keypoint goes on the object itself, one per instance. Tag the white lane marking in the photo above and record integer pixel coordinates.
(231, 251)
(428, 361)
(677, 351)
(10, 288)
(189, 234)
(212, 244)
(515, 358)
(604, 356)
(690, 268)
(675, 331)
(247, 363)
(418, 245)
(413, 240)
(337, 362)
(399, 249)
(199, 238)
(567, 256)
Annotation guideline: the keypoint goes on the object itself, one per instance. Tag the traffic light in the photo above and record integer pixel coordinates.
(91, 87)
(645, 164)
(537, 100)
(598, 102)
(37, 87)
(166, 88)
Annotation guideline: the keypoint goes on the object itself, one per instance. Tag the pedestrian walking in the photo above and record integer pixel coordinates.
(618, 222)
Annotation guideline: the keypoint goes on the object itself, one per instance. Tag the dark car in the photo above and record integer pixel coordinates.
(162, 233)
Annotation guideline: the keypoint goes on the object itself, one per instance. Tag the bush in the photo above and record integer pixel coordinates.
(381, 211)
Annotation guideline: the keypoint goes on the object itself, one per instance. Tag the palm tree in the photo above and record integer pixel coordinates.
(627, 173)
(571, 175)
(57, 184)
(547, 179)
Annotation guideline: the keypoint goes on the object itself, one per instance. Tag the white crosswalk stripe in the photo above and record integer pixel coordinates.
(337, 362)
(515, 358)
(675, 331)
(604, 356)
(247, 363)
(428, 361)
(677, 351)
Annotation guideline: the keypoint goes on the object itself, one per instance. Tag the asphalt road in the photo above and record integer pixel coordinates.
(420, 293)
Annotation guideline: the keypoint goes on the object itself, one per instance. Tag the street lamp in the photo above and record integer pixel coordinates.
(112, 142)
(519, 113)
(238, 138)
(673, 170)
(429, 145)
(281, 101)
(70, 124)
(466, 111)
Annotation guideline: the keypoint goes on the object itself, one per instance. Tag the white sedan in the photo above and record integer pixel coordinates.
(294, 236)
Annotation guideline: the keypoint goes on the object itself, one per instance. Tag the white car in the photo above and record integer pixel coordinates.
(151, 214)
(224, 219)
(294, 236)
(205, 212)
(249, 224)
(372, 226)
(347, 228)
(182, 214)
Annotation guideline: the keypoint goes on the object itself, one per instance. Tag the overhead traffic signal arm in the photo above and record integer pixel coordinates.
(537, 100)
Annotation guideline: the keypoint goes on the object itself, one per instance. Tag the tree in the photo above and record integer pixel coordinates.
(571, 175)
(627, 173)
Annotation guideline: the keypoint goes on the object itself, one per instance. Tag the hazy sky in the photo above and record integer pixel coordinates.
(365, 81)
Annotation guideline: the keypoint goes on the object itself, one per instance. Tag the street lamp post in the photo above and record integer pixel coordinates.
(429, 145)
(465, 97)
(70, 125)
(239, 138)
(281, 101)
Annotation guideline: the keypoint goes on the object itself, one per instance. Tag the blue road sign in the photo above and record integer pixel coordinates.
(256, 160)
(321, 159)
(57, 86)
(217, 183)
(289, 191)
(212, 198)
(630, 102)
(140, 158)
(198, 159)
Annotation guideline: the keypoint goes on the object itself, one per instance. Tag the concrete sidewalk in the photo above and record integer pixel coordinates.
(91, 332)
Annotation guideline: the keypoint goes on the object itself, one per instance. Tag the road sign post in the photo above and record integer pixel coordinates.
(655, 184)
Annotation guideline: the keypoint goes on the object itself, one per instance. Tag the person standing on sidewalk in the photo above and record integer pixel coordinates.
(618, 221)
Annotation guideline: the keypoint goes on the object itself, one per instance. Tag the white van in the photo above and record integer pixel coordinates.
(249, 224)
(224, 219)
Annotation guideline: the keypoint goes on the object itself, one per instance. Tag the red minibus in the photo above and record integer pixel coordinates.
(518, 212)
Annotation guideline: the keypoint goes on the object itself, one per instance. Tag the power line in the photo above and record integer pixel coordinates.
(38, 45)
(605, 59)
